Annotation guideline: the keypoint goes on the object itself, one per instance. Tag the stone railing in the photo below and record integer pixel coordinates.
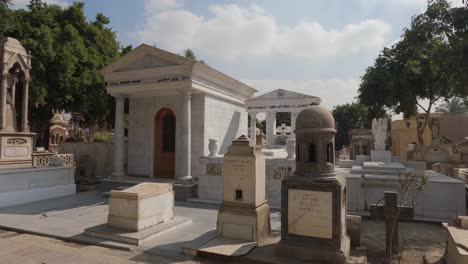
(41, 159)
(45, 159)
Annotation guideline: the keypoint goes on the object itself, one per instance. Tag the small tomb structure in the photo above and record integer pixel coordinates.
(244, 213)
(277, 101)
(313, 216)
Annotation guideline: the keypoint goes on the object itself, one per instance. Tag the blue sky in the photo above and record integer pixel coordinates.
(317, 47)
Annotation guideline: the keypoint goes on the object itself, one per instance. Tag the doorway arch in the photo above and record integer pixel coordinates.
(164, 144)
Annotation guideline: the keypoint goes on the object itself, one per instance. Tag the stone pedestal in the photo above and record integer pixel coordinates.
(16, 149)
(381, 155)
(313, 221)
(141, 206)
(244, 214)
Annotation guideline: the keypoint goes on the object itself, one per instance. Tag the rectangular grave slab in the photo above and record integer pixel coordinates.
(141, 206)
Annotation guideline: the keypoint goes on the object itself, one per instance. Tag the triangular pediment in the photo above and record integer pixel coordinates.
(146, 62)
(146, 57)
(17, 58)
(282, 94)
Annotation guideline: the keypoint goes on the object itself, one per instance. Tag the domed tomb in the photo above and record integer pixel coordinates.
(315, 140)
(313, 200)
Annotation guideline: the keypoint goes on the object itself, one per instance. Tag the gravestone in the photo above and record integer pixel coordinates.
(313, 216)
(244, 213)
(16, 141)
(141, 206)
(139, 214)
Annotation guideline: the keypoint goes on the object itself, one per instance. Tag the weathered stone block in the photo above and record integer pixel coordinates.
(141, 206)
(353, 227)
(381, 155)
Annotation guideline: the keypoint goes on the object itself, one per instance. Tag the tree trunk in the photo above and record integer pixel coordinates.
(422, 127)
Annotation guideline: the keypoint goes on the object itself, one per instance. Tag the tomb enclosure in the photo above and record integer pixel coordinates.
(369, 176)
(175, 106)
(25, 175)
(277, 101)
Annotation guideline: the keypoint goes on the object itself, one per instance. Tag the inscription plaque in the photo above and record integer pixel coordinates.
(11, 151)
(239, 167)
(310, 213)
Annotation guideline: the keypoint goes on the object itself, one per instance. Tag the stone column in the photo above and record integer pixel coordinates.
(3, 100)
(270, 129)
(185, 165)
(253, 128)
(24, 111)
(119, 137)
(13, 92)
(293, 124)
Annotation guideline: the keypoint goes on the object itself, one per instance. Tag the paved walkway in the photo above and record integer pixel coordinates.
(16, 248)
(67, 218)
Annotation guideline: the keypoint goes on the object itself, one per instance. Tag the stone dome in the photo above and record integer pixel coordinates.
(315, 117)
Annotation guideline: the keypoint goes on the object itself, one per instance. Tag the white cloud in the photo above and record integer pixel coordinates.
(417, 3)
(234, 31)
(332, 92)
(17, 4)
(161, 4)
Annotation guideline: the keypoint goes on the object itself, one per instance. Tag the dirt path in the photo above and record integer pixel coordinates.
(417, 238)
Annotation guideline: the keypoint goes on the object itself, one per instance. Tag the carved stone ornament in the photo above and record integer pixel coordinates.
(16, 141)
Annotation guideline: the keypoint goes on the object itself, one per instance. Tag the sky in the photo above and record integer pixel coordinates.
(316, 47)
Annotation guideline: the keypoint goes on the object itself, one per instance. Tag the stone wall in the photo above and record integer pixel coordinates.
(211, 118)
(97, 157)
(210, 183)
(24, 185)
(141, 131)
(224, 121)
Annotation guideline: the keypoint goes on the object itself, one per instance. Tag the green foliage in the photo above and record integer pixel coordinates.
(283, 118)
(190, 54)
(125, 50)
(100, 137)
(454, 106)
(68, 51)
(352, 116)
(425, 64)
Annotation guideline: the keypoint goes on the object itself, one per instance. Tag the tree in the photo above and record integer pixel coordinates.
(454, 106)
(125, 50)
(423, 65)
(352, 116)
(190, 54)
(68, 52)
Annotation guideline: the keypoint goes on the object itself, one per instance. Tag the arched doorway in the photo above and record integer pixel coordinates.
(164, 143)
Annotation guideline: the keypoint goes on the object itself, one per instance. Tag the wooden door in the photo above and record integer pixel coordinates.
(164, 147)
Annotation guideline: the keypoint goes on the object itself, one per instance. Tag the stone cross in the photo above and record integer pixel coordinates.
(379, 130)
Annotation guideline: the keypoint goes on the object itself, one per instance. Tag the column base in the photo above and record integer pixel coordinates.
(185, 179)
(118, 175)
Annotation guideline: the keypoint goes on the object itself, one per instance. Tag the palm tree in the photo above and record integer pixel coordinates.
(455, 106)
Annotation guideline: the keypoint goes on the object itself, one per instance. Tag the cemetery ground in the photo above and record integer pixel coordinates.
(61, 222)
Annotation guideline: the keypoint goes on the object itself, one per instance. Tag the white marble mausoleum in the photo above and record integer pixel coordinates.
(175, 106)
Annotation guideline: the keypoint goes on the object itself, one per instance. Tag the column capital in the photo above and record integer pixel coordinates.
(120, 97)
(185, 91)
(253, 114)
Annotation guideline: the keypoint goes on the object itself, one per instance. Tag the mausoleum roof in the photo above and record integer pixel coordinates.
(314, 117)
(281, 100)
(149, 71)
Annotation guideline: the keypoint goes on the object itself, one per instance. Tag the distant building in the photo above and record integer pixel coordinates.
(442, 128)
(59, 129)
